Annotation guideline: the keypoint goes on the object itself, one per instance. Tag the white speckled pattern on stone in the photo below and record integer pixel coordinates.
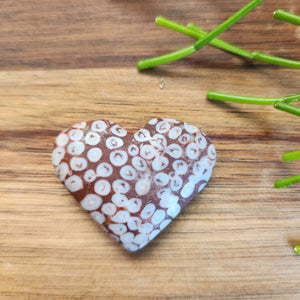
(133, 185)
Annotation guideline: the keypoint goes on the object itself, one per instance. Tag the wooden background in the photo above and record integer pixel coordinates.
(65, 61)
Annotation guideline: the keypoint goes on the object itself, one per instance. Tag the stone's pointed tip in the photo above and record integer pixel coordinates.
(133, 184)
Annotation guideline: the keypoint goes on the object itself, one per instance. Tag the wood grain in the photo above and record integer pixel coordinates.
(67, 61)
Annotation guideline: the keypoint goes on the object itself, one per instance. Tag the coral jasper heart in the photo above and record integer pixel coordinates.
(133, 184)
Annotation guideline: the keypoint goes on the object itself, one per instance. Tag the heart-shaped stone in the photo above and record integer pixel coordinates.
(133, 184)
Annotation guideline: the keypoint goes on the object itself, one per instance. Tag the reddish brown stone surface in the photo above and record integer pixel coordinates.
(133, 185)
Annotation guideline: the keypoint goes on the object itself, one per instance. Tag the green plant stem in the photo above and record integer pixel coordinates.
(213, 95)
(164, 59)
(290, 156)
(163, 22)
(287, 108)
(279, 103)
(256, 55)
(225, 25)
(152, 62)
(280, 14)
(287, 181)
(291, 98)
(275, 60)
(198, 33)
(297, 249)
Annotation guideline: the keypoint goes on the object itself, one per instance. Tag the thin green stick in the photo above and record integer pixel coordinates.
(290, 156)
(225, 25)
(275, 60)
(213, 95)
(278, 103)
(220, 43)
(163, 22)
(287, 108)
(291, 98)
(287, 181)
(164, 59)
(259, 56)
(280, 14)
(198, 33)
(152, 62)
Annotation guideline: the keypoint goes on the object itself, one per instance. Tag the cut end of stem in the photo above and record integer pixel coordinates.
(290, 156)
(143, 64)
(287, 181)
(280, 14)
(297, 249)
(280, 105)
(158, 20)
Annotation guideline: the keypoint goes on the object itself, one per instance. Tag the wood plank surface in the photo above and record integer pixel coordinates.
(62, 62)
